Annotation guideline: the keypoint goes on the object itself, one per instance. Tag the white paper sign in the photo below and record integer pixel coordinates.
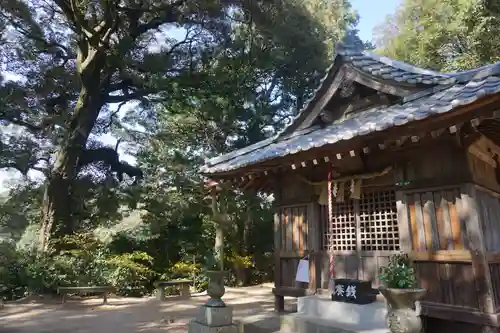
(303, 271)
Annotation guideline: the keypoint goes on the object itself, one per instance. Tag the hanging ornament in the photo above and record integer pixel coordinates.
(340, 193)
(335, 190)
(356, 189)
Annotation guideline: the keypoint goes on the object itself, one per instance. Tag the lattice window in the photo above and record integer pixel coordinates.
(378, 221)
(378, 224)
(341, 234)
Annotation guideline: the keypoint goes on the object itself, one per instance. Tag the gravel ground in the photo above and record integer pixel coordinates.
(253, 306)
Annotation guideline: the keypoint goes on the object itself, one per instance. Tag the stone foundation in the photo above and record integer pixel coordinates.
(318, 315)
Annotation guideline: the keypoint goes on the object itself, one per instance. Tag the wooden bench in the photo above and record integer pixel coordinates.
(184, 284)
(104, 290)
(281, 292)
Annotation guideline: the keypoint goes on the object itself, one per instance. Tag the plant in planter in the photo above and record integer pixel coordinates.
(215, 287)
(399, 288)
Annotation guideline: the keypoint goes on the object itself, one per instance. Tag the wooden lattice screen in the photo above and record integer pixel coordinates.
(372, 220)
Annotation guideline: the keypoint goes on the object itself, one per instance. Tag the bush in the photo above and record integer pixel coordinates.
(130, 273)
(398, 273)
(185, 270)
(82, 261)
(12, 275)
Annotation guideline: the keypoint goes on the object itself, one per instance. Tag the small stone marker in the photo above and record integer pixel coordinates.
(353, 291)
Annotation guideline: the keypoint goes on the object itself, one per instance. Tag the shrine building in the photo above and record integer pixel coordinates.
(387, 157)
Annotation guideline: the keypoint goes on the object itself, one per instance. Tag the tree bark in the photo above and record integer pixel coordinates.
(56, 209)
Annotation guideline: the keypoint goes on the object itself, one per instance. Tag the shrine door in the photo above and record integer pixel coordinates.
(361, 235)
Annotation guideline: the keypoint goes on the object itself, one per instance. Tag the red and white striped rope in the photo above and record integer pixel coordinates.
(330, 219)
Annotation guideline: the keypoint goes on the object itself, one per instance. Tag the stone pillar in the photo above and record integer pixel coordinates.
(217, 318)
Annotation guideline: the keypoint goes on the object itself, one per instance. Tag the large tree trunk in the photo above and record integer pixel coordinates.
(56, 213)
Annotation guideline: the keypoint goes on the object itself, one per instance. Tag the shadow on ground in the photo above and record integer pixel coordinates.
(253, 306)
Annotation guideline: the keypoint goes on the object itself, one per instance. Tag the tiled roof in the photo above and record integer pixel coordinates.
(389, 69)
(464, 88)
(376, 119)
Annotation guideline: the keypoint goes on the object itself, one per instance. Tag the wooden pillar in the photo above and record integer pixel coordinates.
(277, 247)
(279, 300)
(314, 245)
(471, 221)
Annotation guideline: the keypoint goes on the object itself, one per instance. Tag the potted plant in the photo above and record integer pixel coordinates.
(399, 288)
(215, 287)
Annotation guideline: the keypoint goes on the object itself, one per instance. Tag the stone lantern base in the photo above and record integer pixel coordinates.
(213, 320)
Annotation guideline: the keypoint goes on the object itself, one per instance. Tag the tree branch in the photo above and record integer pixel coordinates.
(109, 157)
(169, 14)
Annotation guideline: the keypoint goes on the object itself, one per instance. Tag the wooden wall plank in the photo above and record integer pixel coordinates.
(429, 213)
(419, 218)
(413, 223)
(428, 277)
(289, 229)
(447, 228)
(295, 220)
(452, 197)
(471, 218)
(446, 289)
(313, 219)
(489, 209)
(495, 282)
(495, 217)
(464, 290)
(300, 236)
(405, 236)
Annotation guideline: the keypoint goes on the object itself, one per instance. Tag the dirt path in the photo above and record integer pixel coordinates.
(252, 305)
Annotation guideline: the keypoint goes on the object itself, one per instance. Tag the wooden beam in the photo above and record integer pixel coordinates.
(360, 105)
(442, 256)
(324, 94)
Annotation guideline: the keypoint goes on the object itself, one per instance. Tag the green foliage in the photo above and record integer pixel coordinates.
(241, 261)
(85, 262)
(398, 273)
(223, 80)
(186, 270)
(445, 35)
(130, 273)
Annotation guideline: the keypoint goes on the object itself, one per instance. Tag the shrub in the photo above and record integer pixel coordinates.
(12, 275)
(398, 273)
(185, 270)
(130, 273)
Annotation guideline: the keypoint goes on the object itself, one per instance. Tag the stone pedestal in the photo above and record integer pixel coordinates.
(317, 314)
(213, 320)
